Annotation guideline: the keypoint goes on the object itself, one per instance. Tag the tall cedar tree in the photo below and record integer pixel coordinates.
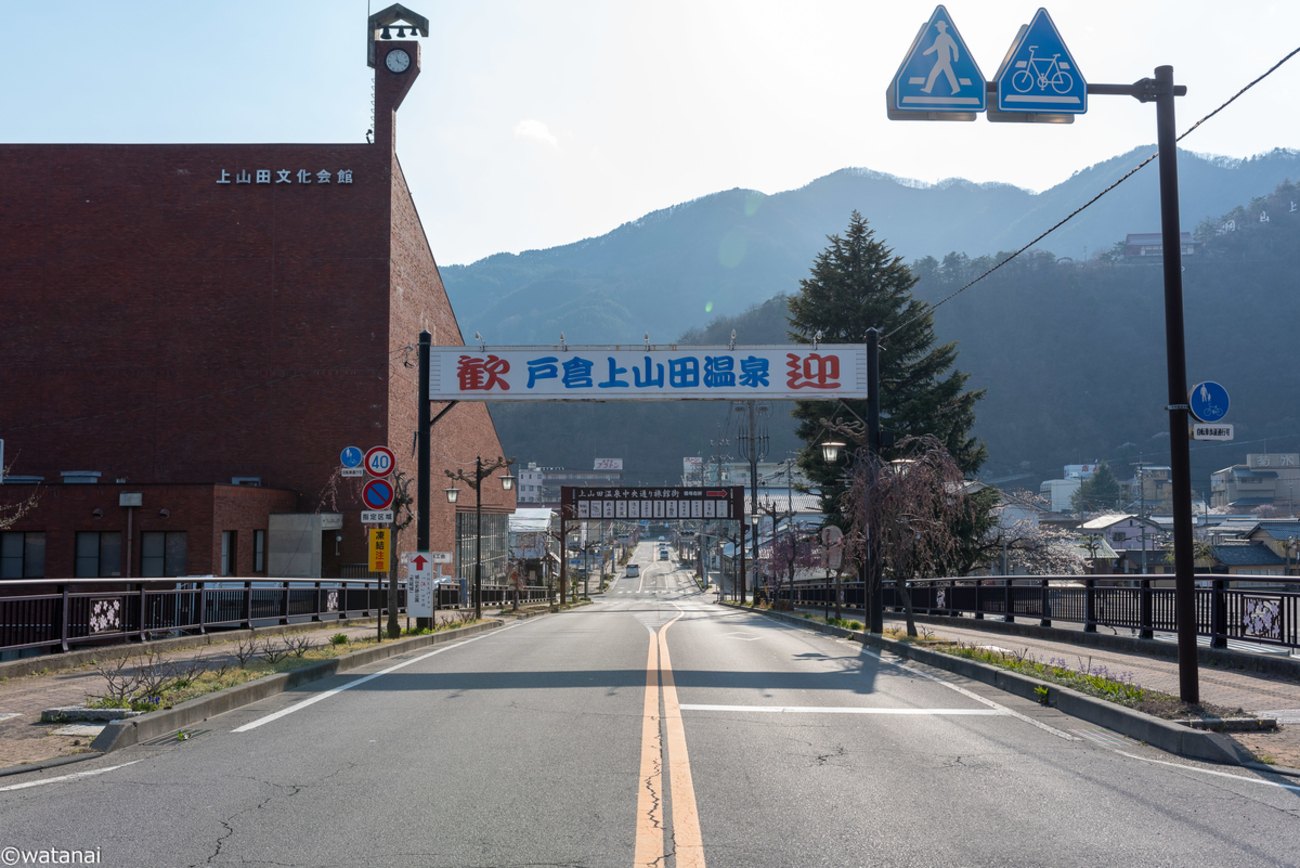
(856, 284)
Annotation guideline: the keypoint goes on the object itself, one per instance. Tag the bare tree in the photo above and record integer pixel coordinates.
(12, 510)
(791, 552)
(912, 507)
(403, 516)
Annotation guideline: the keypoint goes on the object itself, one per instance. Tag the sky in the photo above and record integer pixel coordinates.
(538, 123)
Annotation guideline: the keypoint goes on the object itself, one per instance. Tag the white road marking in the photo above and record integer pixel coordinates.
(336, 690)
(964, 692)
(800, 709)
(1245, 780)
(65, 777)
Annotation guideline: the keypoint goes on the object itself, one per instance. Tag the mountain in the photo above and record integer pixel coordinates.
(717, 255)
(1072, 352)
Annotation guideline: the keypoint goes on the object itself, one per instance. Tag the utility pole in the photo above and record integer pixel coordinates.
(753, 447)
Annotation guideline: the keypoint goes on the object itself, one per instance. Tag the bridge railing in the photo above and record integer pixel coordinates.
(1259, 609)
(58, 615)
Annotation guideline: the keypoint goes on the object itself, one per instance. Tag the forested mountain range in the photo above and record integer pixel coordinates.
(1072, 351)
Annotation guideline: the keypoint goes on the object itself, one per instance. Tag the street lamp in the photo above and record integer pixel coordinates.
(831, 451)
(481, 472)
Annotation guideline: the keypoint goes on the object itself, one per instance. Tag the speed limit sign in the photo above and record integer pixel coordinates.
(379, 461)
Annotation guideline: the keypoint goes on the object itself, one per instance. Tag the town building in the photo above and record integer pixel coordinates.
(195, 332)
(1266, 479)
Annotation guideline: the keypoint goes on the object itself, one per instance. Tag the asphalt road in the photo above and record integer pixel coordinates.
(651, 728)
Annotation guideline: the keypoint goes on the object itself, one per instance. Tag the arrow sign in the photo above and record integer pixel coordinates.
(419, 562)
(938, 74)
(1040, 74)
(378, 494)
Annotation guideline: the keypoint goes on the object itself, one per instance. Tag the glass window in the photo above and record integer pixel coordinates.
(259, 551)
(162, 554)
(98, 555)
(228, 553)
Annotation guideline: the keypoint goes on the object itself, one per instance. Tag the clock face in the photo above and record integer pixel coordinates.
(398, 60)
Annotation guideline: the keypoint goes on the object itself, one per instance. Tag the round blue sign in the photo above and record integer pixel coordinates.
(351, 457)
(1208, 401)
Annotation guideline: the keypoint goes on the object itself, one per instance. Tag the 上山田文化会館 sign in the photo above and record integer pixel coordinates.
(622, 373)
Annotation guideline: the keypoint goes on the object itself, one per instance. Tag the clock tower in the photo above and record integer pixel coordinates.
(396, 62)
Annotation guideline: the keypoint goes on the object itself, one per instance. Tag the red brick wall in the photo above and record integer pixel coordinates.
(165, 328)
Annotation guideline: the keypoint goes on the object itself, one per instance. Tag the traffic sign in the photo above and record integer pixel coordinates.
(350, 457)
(938, 76)
(378, 494)
(380, 461)
(1040, 74)
(1208, 401)
(419, 585)
(351, 473)
(379, 550)
(1203, 431)
(370, 516)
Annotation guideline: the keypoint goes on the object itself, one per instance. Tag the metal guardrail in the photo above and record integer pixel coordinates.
(57, 615)
(1259, 609)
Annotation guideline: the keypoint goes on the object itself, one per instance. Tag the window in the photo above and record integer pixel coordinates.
(259, 551)
(1120, 536)
(22, 555)
(229, 560)
(99, 555)
(162, 554)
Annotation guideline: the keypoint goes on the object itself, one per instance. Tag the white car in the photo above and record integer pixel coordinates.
(633, 571)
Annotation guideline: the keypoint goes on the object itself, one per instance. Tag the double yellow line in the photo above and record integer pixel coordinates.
(688, 846)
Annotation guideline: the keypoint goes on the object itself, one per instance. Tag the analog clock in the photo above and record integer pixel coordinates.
(398, 60)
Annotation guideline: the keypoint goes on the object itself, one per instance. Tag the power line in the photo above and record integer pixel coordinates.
(1091, 201)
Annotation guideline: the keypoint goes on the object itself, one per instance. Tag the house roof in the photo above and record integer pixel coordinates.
(1252, 501)
(1106, 521)
(1253, 555)
(1278, 530)
(530, 520)
(1249, 473)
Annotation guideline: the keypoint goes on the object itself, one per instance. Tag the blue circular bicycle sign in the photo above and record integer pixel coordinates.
(351, 457)
(1208, 401)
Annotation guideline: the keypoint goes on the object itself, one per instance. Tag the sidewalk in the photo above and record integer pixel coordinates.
(24, 739)
(1264, 695)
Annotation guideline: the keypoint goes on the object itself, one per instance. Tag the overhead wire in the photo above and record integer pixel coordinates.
(1090, 202)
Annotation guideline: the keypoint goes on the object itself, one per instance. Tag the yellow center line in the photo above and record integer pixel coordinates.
(649, 801)
(688, 843)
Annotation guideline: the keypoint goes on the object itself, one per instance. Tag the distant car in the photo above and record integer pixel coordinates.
(661, 539)
(633, 571)
(663, 554)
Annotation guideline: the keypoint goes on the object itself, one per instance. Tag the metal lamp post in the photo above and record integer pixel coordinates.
(481, 472)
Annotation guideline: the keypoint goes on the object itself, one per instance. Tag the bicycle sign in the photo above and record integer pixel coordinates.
(1040, 75)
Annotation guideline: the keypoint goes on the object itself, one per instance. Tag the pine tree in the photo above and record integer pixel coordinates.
(1101, 491)
(857, 283)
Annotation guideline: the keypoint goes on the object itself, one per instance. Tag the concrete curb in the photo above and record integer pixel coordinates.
(1167, 736)
(124, 733)
(72, 659)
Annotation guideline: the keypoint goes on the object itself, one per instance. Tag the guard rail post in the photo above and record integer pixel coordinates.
(143, 613)
(247, 623)
(284, 604)
(203, 608)
(979, 611)
(1045, 606)
(1009, 614)
(1146, 610)
(63, 625)
(1218, 615)
(1090, 605)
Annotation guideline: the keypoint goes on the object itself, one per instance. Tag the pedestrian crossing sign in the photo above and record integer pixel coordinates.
(1040, 74)
(938, 77)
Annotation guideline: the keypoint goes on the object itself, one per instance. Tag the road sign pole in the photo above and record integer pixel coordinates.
(422, 468)
(1180, 472)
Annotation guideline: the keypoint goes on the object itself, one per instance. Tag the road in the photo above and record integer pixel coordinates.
(652, 728)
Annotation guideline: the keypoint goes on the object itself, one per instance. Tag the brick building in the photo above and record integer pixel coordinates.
(193, 333)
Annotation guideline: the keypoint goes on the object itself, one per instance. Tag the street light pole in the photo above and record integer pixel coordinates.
(480, 473)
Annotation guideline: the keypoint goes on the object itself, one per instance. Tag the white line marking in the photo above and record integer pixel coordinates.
(65, 777)
(964, 692)
(799, 709)
(1244, 780)
(331, 692)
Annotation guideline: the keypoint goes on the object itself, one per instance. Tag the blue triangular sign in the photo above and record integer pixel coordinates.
(939, 74)
(1041, 75)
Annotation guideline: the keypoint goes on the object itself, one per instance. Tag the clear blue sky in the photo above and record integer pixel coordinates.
(539, 123)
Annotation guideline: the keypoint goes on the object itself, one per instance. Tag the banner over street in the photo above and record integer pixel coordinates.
(623, 373)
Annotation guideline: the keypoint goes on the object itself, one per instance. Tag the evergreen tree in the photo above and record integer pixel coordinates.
(1100, 492)
(857, 283)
